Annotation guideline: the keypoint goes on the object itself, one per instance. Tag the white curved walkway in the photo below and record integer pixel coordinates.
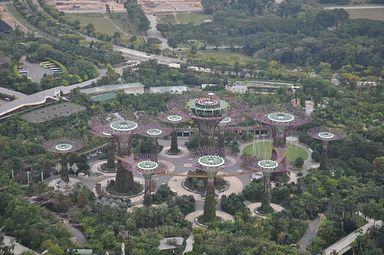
(223, 215)
(175, 184)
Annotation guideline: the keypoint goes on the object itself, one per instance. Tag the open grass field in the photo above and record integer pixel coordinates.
(373, 14)
(99, 20)
(263, 151)
(223, 56)
(121, 20)
(183, 18)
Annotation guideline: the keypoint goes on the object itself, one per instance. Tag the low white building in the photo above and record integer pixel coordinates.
(238, 88)
(169, 89)
(127, 88)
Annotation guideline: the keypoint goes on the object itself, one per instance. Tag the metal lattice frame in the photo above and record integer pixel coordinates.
(173, 118)
(326, 135)
(63, 146)
(154, 131)
(280, 119)
(207, 112)
(267, 167)
(122, 127)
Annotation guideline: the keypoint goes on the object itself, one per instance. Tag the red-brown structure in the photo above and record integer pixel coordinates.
(326, 135)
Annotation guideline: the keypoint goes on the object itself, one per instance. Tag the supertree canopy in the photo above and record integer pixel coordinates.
(154, 131)
(174, 117)
(281, 119)
(63, 146)
(121, 127)
(206, 111)
(267, 167)
(210, 161)
(325, 135)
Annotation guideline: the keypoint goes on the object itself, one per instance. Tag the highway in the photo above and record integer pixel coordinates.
(344, 244)
(357, 7)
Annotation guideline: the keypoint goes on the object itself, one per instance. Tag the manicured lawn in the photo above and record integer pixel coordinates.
(194, 18)
(100, 21)
(263, 151)
(183, 18)
(223, 56)
(121, 20)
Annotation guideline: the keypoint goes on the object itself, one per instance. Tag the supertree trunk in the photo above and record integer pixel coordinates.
(147, 191)
(324, 156)
(210, 201)
(266, 201)
(221, 143)
(207, 130)
(64, 170)
(124, 178)
(174, 145)
(279, 141)
(111, 155)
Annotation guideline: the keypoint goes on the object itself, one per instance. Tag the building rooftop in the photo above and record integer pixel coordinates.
(103, 97)
(53, 111)
(168, 89)
(170, 243)
(110, 88)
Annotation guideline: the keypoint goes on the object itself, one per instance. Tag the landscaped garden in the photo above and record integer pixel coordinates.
(263, 150)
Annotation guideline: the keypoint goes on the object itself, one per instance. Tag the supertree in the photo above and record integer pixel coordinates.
(149, 168)
(63, 146)
(174, 117)
(210, 162)
(267, 167)
(325, 135)
(281, 119)
(122, 127)
(206, 112)
(229, 123)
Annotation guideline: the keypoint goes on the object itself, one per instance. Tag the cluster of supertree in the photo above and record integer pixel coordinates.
(121, 128)
(281, 119)
(210, 114)
(63, 146)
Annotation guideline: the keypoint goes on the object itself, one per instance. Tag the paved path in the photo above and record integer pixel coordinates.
(344, 244)
(9, 92)
(175, 184)
(19, 248)
(153, 32)
(189, 244)
(223, 215)
(310, 233)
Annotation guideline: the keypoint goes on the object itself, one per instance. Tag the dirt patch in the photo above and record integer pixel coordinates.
(9, 19)
(158, 6)
(373, 14)
(87, 5)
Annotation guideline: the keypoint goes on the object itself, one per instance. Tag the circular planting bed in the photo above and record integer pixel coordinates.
(137, 189)
(103, 168)
(199, 184)
(169, 152)
(201, 221)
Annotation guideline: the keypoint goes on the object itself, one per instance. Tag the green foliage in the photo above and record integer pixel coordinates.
(163, 194)
(254, 190)
(299, 162)
(233, 203)
(136, 15)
